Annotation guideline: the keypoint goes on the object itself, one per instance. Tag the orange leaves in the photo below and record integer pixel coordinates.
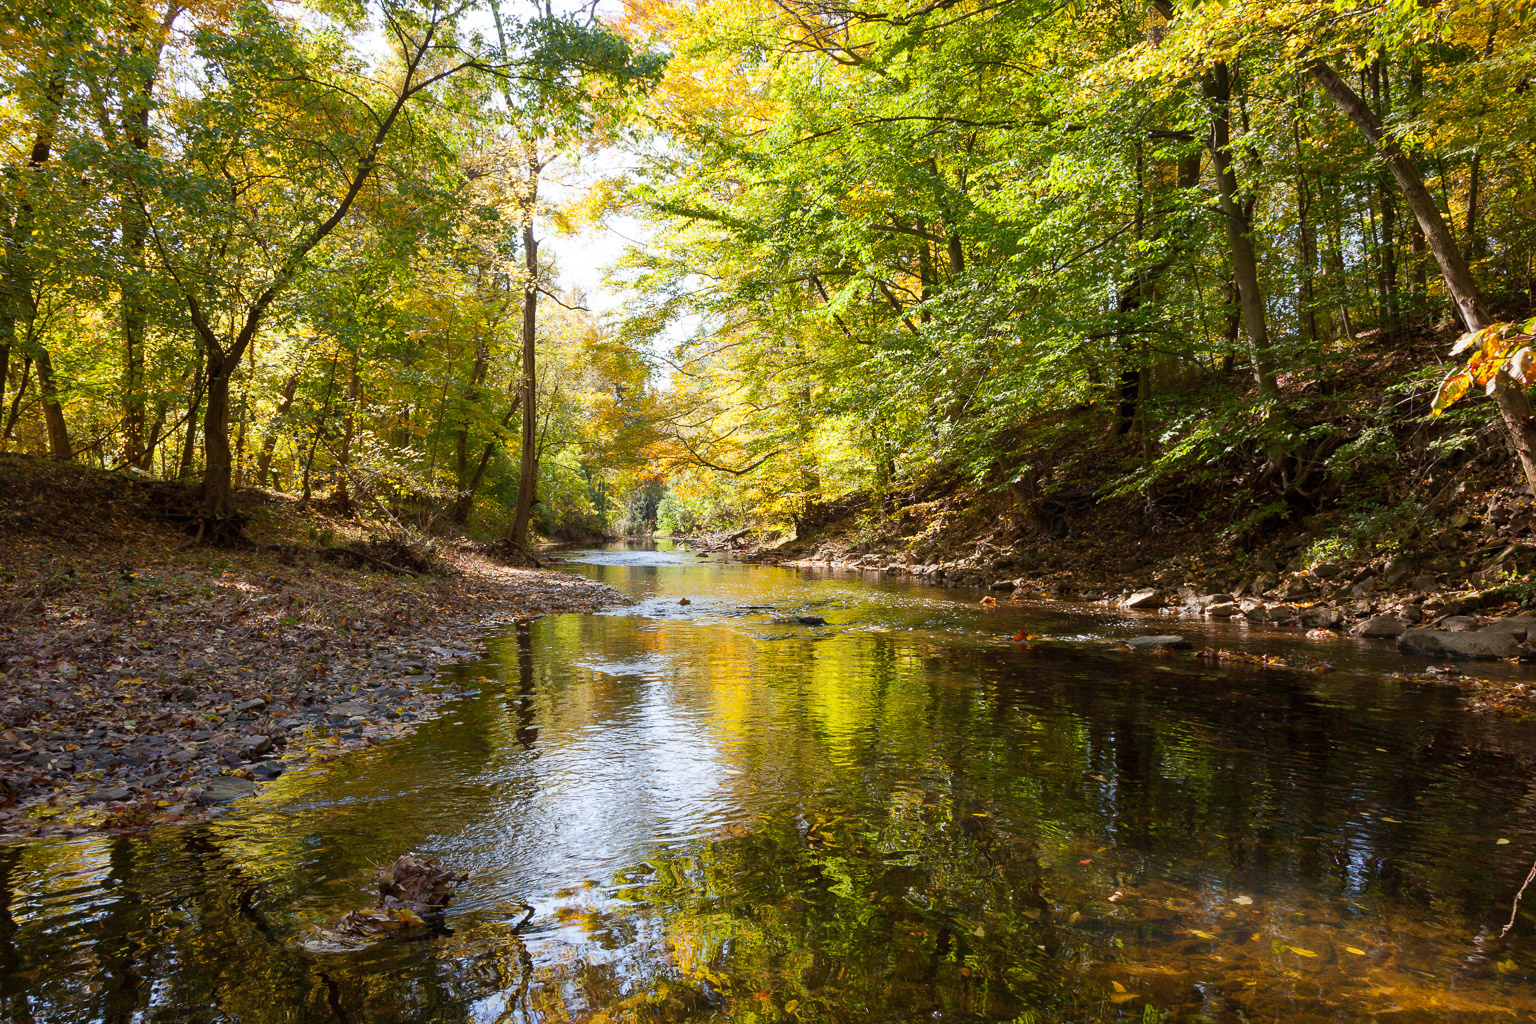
(1501, 354)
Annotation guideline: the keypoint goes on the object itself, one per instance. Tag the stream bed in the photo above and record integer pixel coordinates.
(693, 812)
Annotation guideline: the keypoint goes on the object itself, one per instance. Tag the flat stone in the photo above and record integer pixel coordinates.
(1521, 627)
(1381, 626)
(102, 796)
(1282, 613)
(1152, 643)
(1445, 643)
(1144, 599)
(223, 788)
(255, 704)
(1222, 610)
(1457, 623)
(348, 708)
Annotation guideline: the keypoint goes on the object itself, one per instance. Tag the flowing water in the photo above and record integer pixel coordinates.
(690, 812)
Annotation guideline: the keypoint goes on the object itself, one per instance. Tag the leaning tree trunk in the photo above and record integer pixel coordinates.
(1514, 407)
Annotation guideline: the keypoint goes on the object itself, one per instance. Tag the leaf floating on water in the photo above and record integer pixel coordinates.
(1302, 952)
(1243, 901)
(1392, 820)
(1200, 934)
(1122, 997)
(980, 932)
(1118, 987)
(1507, 966)
(1502, 842)
(1076, 917)
(1355, 950)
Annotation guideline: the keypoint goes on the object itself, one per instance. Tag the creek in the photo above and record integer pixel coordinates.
(679, 812)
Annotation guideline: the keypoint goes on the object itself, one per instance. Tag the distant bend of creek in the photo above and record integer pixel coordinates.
(676, 812)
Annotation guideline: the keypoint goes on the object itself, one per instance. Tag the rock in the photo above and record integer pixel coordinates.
(1365, 588)
(1327, 570)
(1521, 627)
(1282, 613)
(223, 788)
(253, 747)
(255, 704)
(1144, 599)
(1318, 617)
(102, 796)
(1480, 646)
(1381, 626)
(1457, 623)
(1153, 643)
(1411, 613)
(1424, 584)
(347, 709)
(1222, 610)
(996, 584)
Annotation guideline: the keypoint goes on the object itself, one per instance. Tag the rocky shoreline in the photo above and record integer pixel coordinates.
(1440, 606)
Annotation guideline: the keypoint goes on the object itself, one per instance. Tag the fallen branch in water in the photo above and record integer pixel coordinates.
(1514, 909)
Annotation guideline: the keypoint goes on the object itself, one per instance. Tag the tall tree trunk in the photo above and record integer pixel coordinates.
(1239, 227)
(465, 502)
(1386, 246)
(342, 495)
(189, 445)
(21, 390)
(218, 460)
(1474, 177)
(1514, 407)
(528, 474)
(269, 442)
(53, 412)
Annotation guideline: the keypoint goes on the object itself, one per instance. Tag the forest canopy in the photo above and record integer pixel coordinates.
(296, 246)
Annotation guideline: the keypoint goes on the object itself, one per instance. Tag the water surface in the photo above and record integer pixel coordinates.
(690, 812)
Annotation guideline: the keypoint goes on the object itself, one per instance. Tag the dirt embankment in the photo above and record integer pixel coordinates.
(145, 678)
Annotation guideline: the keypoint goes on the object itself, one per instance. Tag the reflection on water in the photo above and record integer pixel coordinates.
(892, 817)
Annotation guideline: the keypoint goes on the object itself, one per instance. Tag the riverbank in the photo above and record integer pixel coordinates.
(144, 678)
(1450, 582)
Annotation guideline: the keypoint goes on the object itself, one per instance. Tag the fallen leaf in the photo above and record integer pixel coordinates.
(1302, 952)
(1200, 934)
(1355, 950)
(1243, 901)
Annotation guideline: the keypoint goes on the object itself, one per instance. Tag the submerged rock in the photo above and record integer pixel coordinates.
(223, 788)
(1167, 642)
